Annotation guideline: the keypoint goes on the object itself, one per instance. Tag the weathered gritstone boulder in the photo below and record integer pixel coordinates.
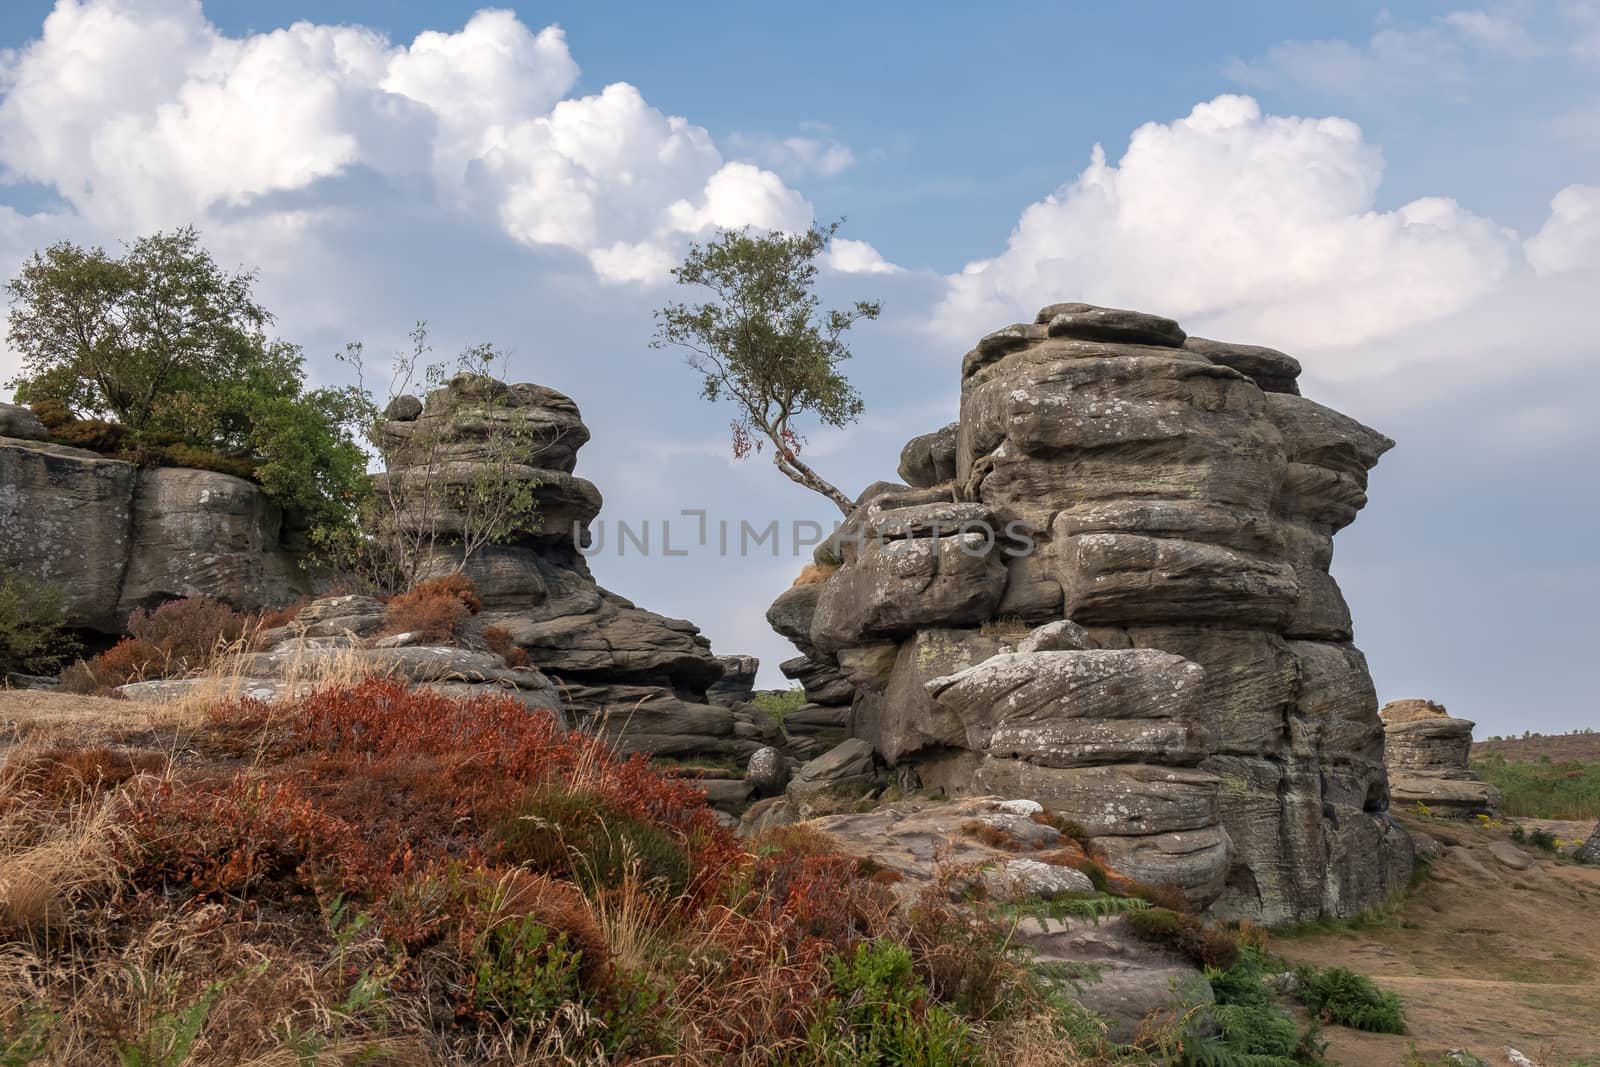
(623, 671)
(1161, 512)
(1590, 850)
(1428, 752)
(115, 538)
(738, 680)
(21, 423)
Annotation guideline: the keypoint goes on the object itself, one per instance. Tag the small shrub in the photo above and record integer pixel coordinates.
(880, 1016)
(1543, 840)
(1096, 875)
(1005, 626)
(435, 610)
(525, 972)
(129, 660)
(33, 637)
(817, 573)
(1340, 995)
(274, 618)
(189, 633)
(989, 834)
(498, 638)
(1069, 828)
(1206, 944)
(575, 834)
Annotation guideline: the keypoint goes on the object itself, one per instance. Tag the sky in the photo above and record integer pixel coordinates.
(1407, 198)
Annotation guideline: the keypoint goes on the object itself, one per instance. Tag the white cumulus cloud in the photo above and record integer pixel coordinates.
(1252, 225)
(142, 114)
(1570, 238)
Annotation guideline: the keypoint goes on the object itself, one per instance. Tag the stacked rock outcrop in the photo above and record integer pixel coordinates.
(114, 537)
(1428, 752)
(629, 673)
(1106, 588)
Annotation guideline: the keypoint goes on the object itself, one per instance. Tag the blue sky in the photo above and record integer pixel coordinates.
(1408, 198)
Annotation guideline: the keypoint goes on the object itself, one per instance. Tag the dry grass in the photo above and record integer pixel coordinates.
(815, 573)
(117, 944)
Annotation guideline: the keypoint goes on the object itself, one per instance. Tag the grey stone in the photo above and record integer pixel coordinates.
(403, 408)
(1175, 497)
(1509, 855)
(200, 533)
(1080, 708)
(822, 682)
(1063, 635)
(22, 424)
(1270, 369)
(893, 589)
(738, 680)
(930, 459)
(792, 612)
(847, 767)
(115, 538)
(767, 771)
(1589, 851)
(1025, 879)
(1090, 323)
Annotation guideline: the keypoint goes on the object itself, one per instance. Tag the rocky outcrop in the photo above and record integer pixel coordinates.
(1589, 851)
(623, 671)
(1428, 753)
(1106, 588)
(114, 537)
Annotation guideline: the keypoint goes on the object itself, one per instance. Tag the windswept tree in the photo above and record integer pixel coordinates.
(762, 341)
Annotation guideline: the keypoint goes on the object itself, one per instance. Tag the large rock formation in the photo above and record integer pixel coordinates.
(1428, 753)
(634, 675)
(115, 537)
(1203, 713)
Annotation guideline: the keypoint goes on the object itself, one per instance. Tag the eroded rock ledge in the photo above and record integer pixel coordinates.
(1148, 638)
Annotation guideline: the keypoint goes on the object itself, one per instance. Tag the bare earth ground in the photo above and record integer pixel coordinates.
(1485, 957)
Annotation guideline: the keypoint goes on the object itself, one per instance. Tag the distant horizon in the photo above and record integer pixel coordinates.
(1388, 196)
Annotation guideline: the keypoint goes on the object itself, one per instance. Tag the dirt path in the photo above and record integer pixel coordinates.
(1485, 957)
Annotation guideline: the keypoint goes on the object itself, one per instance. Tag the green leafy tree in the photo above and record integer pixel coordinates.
(173, 348)
(762, 341)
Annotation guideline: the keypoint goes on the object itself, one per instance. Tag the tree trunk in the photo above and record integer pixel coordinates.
(803, 475)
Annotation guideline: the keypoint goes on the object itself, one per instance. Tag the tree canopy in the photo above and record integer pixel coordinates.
(171, 349)
(762, 341)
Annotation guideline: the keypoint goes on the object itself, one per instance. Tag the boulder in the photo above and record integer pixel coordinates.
(930, 459)
(22, 424)
(1509, 855)
(115, 538)
(893, 589)
(846, 770)
(1271, 370)
(68, 520)
(767, 771)
(738, 680)
(1428, 753)
(1589, 851)
(822, 682)
(1080, 708)
(200, 533)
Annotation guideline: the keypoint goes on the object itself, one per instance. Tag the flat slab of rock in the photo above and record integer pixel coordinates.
(1509, 855)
